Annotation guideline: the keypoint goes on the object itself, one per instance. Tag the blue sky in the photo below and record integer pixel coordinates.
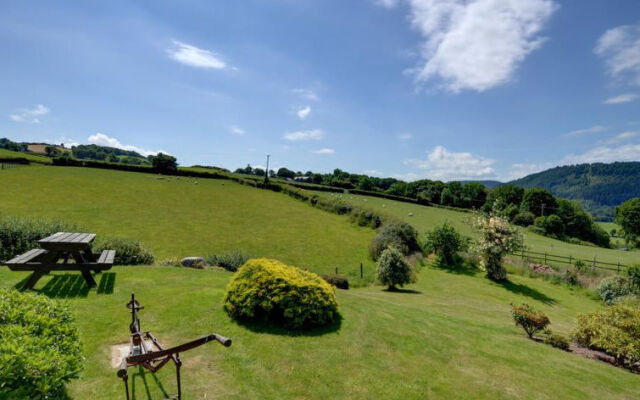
(441, 89)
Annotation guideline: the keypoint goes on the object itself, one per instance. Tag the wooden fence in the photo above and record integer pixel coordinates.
(546, 258)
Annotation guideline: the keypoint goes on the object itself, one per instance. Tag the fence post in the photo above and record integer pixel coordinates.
(361, 275)
(545, 258)
(594, 261)
(570, 257)
(336, 270)
(618, 267)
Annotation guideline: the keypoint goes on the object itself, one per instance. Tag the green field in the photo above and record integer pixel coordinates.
(615, 241)
(4, 153)
(426, 218)
(451, 337)
(178, 217)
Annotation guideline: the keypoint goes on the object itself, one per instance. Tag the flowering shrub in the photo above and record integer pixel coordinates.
(530, 320)
(612, 287)
(268, 290)
(497, 238)
(614, 330)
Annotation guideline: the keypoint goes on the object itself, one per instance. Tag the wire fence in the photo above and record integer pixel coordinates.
(570, 260)
(8, 165)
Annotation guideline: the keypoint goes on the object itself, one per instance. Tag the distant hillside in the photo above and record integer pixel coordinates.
(487, 184)
(599, 187)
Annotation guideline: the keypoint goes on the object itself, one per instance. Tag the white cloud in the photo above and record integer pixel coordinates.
(325, 151)
(314, 134)
(605, 154)
(103, 140)
(372, 172)
(477, 44)
(405, 136)
(237, 131)
(30, 115)
(519, 170)
(387, 3)
(445, 165)
(586, 131)
(307, 94)
(620, 49)
(195, 57)
(623, 136)
(621, 99)
(304, 112)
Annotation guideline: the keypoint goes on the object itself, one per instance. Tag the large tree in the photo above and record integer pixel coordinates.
(539, 202)
(628, 217)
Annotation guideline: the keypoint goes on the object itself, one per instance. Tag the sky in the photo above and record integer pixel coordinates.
(413, 89)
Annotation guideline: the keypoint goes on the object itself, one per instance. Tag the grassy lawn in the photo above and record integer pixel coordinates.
(178, 217)
(4, 153)
(615, 241)
(451, 337)
(425, 218)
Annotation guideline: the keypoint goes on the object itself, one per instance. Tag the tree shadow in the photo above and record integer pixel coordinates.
(272, 328)
(400, 290)
(459, 267)
(527, 291)
(107, 283)
(142, 375)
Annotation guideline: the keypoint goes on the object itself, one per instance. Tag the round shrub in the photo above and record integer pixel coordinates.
(398, 234)
(39, 347)
(557, 340)
(128, 251)
(393, 269)
(270, 291)
(525, 218)
(530, 320)
(339, 281)
(445, 242)
(612, 287)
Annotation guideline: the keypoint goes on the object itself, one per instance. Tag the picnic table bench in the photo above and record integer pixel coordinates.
(55, 254)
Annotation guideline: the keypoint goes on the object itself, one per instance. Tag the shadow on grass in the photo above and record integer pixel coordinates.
(527, 291)
(66, 286)
(459, 267)
(404, 291)
(142, 376)
(273, 329)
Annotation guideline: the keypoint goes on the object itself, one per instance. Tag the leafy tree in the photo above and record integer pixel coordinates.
(258, 171)
(51, 151)
(524, 219)
(508, 194)
(474, 195)
(365, 183)
(551, 225)
(445, 242)
(628, 217)
(285, 173)
(530, 320)
(164, 163)
(393, 269)
(536, 200)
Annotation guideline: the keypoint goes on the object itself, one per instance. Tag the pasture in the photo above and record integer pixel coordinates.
(179, 217)
(424, 218)
(450, 336)
(8, 154)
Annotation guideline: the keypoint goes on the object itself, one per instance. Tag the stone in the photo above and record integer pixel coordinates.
(193, 262)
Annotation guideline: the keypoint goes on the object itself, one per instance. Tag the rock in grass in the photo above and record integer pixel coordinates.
(193, 262)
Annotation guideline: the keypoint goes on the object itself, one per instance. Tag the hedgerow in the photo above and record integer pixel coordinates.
(128, 251)
(270, 291)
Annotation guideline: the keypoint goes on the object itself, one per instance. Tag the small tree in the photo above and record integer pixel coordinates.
(497, 238)
(445, 242)
(393, 269)
(628, 217)
(164, 163)
(530, 320)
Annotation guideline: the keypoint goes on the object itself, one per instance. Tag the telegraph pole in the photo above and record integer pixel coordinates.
(542, 208)
(266, 173)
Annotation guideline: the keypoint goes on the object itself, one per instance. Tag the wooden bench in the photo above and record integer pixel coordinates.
(106, 258)
(24, 262)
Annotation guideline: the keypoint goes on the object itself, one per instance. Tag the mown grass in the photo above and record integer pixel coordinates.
(4, 153)
(180, 217)
(426, 218)
(449, 337)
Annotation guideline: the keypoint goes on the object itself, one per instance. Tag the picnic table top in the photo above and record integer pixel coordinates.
(68, 238)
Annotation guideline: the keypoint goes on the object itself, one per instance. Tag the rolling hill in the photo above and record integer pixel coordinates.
(599, 187)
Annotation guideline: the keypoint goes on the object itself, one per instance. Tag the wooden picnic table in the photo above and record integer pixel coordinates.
(56, 252)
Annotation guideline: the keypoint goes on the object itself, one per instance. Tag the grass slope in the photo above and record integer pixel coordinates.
(451, 337)
(178, 218)
(4, 153)
(426, 218)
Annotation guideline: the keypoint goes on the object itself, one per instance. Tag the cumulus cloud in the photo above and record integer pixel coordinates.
(605, 154)
(195, 57)
(620, 49)
(313, 134)
(30, 115)
(237, 131)
(621, 99)
(372, 172)
(587, 131)
(307, 94)
(303, 113)
(325, 151)
(445, 165)
(101, 139)
(477, 44)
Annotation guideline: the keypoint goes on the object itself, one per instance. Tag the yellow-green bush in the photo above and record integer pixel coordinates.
(268, 290)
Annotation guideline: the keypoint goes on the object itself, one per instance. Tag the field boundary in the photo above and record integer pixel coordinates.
(569, 260)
